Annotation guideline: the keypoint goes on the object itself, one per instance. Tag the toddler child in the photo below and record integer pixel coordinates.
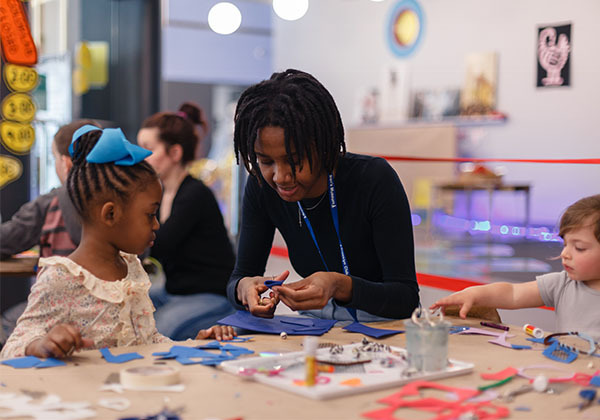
(116, 195)
(574, 292)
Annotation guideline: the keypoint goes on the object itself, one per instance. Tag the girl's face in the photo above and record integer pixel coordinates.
(581, 255)
(135, 229)
(161, 160)
(274, 166)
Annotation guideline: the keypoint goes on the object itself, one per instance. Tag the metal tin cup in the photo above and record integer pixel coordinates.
(427, 341)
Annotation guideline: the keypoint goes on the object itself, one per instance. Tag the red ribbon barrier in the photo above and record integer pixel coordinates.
(426, 159)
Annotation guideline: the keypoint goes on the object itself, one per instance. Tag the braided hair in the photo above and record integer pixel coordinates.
(92, 182)
(298, 103)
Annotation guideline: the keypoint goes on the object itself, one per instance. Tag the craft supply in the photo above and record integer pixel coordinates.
(427, 341)
(86, 329)
(383, 367)
(540, 383)
(283, 335)
(150, 376)
(533, 331)
(310, 358)
(587, 399)
(493, 325)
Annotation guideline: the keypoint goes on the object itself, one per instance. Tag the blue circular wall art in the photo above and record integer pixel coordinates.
(405, 27)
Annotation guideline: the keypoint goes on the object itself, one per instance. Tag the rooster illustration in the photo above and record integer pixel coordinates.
(553, 55)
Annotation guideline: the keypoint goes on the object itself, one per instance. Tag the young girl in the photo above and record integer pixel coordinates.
(101, 288)
(192, 242)
(574, 292)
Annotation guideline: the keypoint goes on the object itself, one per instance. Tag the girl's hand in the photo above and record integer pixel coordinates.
(220, 332)
(464, 299)
(314, 291)
(249, 290)
(60, 342)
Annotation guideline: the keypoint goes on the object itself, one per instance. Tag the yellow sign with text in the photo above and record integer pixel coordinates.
(10, 170)
(18, 107)
(20, 78)
(17, 137)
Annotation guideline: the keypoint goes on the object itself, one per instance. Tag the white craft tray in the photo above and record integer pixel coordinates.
(372, 375)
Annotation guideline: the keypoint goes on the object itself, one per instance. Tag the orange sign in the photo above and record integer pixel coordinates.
(17, 43)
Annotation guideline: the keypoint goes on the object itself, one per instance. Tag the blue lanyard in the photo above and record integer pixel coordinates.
(336, 224)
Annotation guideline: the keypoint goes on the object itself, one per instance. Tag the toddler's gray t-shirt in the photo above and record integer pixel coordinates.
(577, 305)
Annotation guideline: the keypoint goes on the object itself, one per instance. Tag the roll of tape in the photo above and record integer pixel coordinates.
(150, 376)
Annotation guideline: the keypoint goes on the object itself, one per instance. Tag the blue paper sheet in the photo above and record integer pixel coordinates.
(277, 324)
(121, 358)
(32, 361)
(370, 331)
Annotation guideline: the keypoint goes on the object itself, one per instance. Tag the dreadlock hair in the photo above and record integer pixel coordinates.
(584, 212)
(298, 103)
(180, 128)
(92, 182)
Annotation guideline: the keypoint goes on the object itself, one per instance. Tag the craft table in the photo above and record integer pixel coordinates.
(18, 267)
(211, 393)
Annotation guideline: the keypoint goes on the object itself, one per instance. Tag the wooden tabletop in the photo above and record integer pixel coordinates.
(19, 267)
(212, 393)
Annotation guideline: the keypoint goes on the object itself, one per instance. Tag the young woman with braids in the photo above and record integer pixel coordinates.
(192, 243)
(344, 217)
(116, 195)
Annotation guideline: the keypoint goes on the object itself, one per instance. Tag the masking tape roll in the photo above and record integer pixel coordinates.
(150, 376)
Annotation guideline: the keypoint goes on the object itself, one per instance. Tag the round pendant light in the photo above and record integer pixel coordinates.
(224, 18)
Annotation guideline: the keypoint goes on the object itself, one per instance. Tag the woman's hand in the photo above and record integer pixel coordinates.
(60, 342)
(249, 290)
(314, 291)
(220, 332)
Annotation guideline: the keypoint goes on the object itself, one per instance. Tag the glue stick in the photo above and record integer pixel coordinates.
(310, 351)
(533, 331)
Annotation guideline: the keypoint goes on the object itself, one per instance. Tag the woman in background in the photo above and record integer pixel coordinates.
(192, 243)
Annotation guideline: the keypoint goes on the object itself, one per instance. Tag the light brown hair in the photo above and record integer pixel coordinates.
(582, 213)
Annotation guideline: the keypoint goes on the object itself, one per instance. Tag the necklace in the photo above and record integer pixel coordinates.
(310, 208)
(318, 202)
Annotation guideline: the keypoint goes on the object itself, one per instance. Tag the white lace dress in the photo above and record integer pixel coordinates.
(66, 293)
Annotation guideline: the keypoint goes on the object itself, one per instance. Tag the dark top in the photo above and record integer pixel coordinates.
(375, 228)
(192, 245)
(50, 221)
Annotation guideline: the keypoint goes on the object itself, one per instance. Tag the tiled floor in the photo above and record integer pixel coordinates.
(476, 259)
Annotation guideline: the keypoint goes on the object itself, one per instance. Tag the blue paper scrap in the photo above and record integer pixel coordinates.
(279, 324)
(121, 358)
(595, 381)
(370, 331)
(32, 361)
(186, 355)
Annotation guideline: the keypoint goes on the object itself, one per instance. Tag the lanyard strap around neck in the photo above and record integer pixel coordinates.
(336, 224)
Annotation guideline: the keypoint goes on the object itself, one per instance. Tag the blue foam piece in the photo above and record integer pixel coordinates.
(121, 358)
(244, 319)
(22, 362)
(271, 283)
(520, 347)
(370, 331)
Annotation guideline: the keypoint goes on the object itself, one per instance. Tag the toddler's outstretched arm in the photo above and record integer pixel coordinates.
(220, 332)
(496, 295)
(60, 342)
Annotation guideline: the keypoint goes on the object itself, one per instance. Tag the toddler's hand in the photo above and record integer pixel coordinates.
(60, 342)
(463, 299)
(220, 332)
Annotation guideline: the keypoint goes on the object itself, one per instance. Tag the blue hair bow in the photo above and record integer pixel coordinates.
(112, 147)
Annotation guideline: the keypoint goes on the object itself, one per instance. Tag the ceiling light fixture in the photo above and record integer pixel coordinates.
(290, 9)
(224, 18)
